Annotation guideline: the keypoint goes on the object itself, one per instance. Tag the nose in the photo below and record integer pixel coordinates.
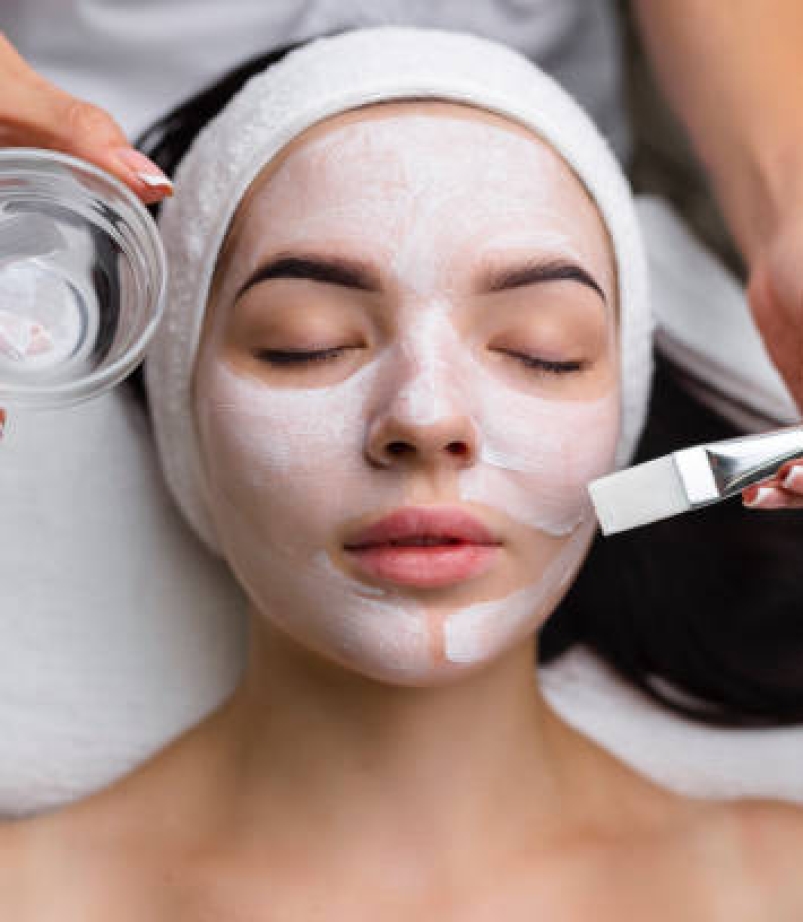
(450, 443)
(422, 417)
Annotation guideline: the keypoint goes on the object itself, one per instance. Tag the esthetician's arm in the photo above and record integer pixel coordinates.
(34, 113)
(733, 71)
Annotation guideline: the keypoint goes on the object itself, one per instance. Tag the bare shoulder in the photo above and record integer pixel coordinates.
(119, 853)
(17, 871)
(767, 838)
(734, 860)
(58, 865)
(124, 852)
(38, 869)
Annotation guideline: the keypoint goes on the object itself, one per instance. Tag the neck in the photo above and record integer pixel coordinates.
(480, 762)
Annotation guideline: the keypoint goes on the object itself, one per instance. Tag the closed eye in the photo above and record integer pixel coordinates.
(297, 357)
(281, 357)
(548, 366)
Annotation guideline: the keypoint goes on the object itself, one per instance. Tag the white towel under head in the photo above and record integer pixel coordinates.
(324, 78)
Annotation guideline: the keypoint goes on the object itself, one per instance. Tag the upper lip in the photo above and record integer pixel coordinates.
(424, 522)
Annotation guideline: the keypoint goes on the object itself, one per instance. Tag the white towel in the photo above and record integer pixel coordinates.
(688, 757)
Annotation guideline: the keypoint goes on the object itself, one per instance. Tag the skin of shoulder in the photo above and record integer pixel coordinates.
(770, 837)
(16, 872)
(746, 855)
(57, 866)
(731, 860)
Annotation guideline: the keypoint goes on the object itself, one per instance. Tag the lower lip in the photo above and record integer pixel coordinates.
(426, 567)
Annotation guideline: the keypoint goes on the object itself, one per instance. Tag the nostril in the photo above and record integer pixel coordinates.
(399, 447)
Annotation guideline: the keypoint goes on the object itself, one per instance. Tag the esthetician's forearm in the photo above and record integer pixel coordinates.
(733, 72)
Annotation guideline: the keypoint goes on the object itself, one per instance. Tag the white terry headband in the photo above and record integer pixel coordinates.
(324, 78)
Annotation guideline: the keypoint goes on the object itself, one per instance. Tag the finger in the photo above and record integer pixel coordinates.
(764, 497)
(38, 114)
(2, 423)
(149, 182)
(788, 477)
(792, 480)
(92, 134)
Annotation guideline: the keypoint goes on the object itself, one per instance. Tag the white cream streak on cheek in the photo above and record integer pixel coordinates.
(277, 557)
(387, 633)
(537, 455)
(295, 430)
(325, 610)
(479, 632)
(323, 561)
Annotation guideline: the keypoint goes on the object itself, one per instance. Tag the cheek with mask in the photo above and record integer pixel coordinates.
(298, 454)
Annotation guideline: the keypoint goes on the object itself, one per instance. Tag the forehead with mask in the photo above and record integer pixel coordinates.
(415, 306)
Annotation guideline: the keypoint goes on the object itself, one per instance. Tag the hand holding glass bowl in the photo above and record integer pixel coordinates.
(82, 279)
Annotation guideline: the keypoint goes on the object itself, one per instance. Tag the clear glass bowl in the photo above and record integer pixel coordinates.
(82, 279)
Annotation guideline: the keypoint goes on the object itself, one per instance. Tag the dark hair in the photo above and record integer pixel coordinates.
(710, 602)
(703, 612)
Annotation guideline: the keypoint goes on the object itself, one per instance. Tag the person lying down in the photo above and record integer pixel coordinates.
(407, 323)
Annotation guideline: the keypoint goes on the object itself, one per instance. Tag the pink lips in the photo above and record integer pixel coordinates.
(424, 546)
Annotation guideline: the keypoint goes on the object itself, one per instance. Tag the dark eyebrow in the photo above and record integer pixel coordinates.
(329, 270)
(533, 273)
(352, 274)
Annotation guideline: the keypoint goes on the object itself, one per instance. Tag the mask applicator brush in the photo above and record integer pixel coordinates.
(690, 478)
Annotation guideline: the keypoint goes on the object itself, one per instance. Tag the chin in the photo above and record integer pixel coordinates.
(426, 669)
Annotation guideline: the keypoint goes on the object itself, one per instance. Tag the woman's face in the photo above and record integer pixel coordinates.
(415, 307)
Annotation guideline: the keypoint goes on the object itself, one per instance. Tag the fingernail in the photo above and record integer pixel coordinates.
(145, 169)
(2, 423)
(794, 480)
(765, 497)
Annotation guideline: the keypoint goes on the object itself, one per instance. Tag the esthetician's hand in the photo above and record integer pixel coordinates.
(775, 293)
(34, 113)
(782, 492)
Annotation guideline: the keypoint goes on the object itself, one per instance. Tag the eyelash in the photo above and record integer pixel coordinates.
(283, 358)
(548, 366)
(276, 357)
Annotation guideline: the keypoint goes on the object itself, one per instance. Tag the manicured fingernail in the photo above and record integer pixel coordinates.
(794, 480)
(764, 498)
(2, 423)
(145, 169)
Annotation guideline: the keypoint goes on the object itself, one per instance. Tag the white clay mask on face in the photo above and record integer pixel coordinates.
(430, 203)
